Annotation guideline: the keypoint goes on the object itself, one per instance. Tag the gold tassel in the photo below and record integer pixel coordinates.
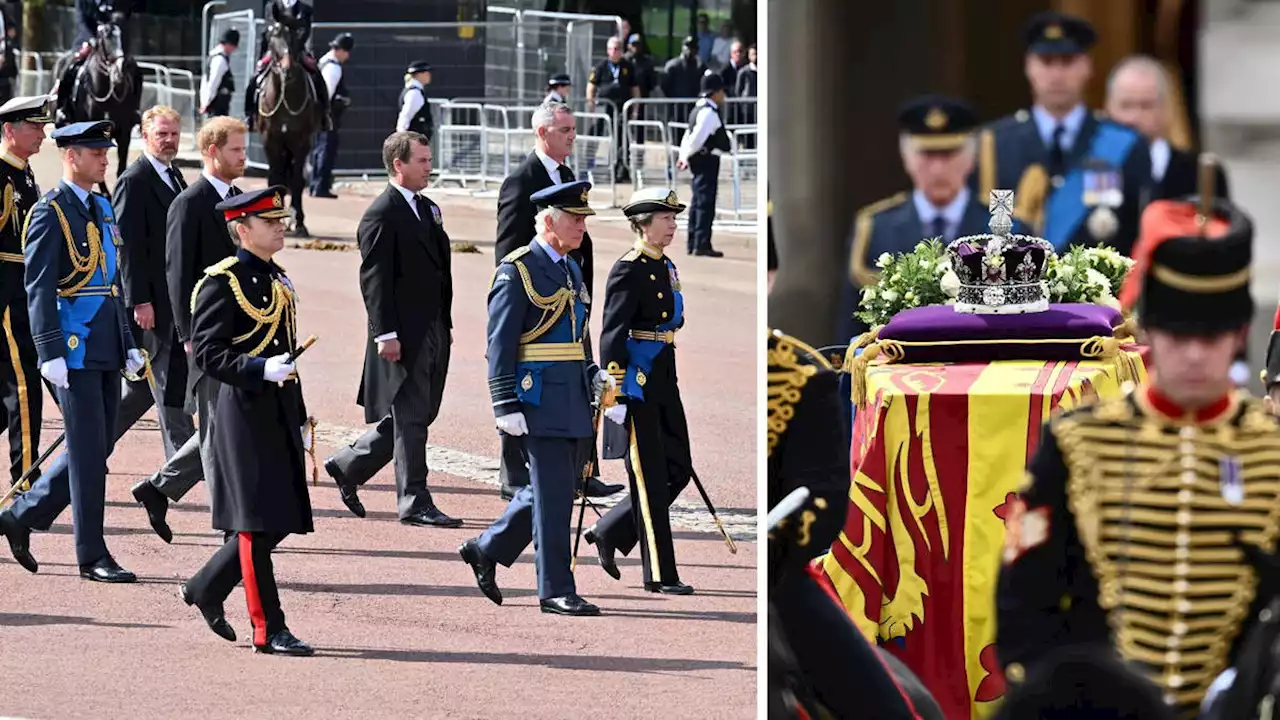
(858, 373)
(1126, 330)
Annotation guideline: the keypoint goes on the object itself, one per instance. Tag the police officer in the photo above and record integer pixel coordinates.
(614, 80)
(542, 380)
(218, 86)
(326, 149)
(83, 340)
(243, 329)
(643, 309)
(937, 144)
(1130, 527)
(1078, 176)
(415, 111)
(22, 122)
(558, 88)
(705, 137)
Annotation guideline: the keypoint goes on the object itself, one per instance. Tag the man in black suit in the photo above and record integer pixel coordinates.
(142, 198)
(554, 130)
(196, 238)
(407, 283)
(1138, 95)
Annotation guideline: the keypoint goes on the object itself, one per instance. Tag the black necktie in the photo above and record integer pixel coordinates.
(232, 191)
(1057, 155)
(176, 178)
(939, 228)
(566, 175)
(568, 277)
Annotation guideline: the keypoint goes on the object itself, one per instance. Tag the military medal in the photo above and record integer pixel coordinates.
(435, 213)
(584, 296)
(1102, 193)
(1231, 479)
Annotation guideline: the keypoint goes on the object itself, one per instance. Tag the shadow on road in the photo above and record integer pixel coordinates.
(30, 620)
(559, 662)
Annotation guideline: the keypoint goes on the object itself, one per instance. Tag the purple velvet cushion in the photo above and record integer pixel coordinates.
(963, 337)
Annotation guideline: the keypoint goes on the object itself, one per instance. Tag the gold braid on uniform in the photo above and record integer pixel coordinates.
(7, 212)
(280, 308)
(552, 306)
(787, 378)
(80, 264)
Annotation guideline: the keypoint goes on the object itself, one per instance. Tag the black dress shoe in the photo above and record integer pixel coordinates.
(325, 194)
(568, 605)
(19, 537)
(677, 588)
(431, 517)
(106, 570)
(595, 488)
(284, 643)
(156, 505)
(708, 252)
(605, 551)
(484, 568)
(214, 617)
(348, 493)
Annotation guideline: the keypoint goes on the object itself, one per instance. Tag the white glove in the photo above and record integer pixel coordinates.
(133, 363)
(603, 379)
(513, 424)
(306, 436)
(55, 371)
(278, 368)
(616, 414)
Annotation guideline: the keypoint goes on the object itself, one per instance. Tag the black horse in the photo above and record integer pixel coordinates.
(109, 87)
(287, 120)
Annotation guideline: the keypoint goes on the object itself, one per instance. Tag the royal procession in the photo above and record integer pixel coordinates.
(1027, 475)
(447, 447)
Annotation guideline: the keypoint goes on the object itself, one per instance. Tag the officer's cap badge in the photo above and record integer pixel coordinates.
(1053, 32)
(277, 201)
(936, 119)
(584, 196)
(672, 199)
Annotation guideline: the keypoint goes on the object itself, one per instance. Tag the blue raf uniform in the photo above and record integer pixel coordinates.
(83, 341)
(932, 124)
(541, 366)
(1078, 180)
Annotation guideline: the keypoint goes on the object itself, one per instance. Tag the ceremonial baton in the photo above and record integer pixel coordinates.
(587, 471)
(784, 509)
(311, 422)
(293, 357)
(712, 509)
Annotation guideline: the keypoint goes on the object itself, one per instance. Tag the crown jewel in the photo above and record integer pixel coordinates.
(1001, 273)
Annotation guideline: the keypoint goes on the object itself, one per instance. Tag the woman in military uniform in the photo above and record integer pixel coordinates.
(643, 309)
(243, 331)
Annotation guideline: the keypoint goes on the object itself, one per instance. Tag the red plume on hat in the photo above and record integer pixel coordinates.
(1164, 220)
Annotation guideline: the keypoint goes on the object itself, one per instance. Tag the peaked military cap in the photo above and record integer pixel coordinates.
(711, 83)
(92, 134)
(1187, 280)
(690, 41)
(559, 79)
(418, 66)
(657, 199)
(265, 203)
(1055, 33)
(343, 41)
(634, 39)
(937, 122)
(230, 37)
(570, 197)
(33, 109)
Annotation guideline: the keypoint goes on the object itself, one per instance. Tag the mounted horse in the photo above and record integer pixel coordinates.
(287, 118)
(109, 87)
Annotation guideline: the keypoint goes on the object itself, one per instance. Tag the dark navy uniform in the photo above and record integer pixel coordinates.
(244, 317)
(325, 152)
(933, 124)
(558, 88)
(83, 340)
(541, 367)
(706, 136)
(221, 82)
(22, 391)
(415, 111)
(643, 309)
(1081, 190)
(1127, 530)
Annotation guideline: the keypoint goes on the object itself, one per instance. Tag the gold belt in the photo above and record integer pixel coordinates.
(91, 291)
(11, 257)
(665, 336)
(551, 352)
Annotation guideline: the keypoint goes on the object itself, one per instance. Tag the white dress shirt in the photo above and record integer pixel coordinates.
(411, 198)
(217, 68)
(221, 187)
(163, 171)
(413, 102)
(552, 167)
(707, 123)
(1161, 153)
(332, 72)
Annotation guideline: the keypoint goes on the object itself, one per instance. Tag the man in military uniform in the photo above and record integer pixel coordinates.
(22, 122)
(89, 15)
(542, 380)
(705, 137)
(1079, 177)
(1130, 526)
(83, 340)
(296, 18)
(257, 479)
(938, 145)
(643, 309)
(415, 111)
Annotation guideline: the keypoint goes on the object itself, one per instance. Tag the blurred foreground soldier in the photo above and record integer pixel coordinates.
(643, 309)
(937, 146)
(325, 152)
(22, 122)
(1124, 532)
(1138, 96)
(705, 138)
(415, 111)
(834, 671)
(542, 380)
(218, 86)
(257, 479)
(1079, 177)
(1084, 683)
(83, 341)
(558, 88)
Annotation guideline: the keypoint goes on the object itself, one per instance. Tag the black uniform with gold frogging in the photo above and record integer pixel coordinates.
(20, 388)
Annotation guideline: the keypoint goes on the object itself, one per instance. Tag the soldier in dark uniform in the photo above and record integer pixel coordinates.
(257, 479)
(415, 111)
(705, 137)
(643, 309)
(558, 88)
(83, 340)
(23, 120)
(1130, 526)
(335, 77)
(89, 15)
(614, 79)
(1078, 176)
(218, 87)
(542, 380)
(938, 146)
(296, 17)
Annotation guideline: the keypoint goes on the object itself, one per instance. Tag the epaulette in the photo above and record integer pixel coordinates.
(221, 266)
(792, 363)
(858, 269)
(631, 255)
(515, 254)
